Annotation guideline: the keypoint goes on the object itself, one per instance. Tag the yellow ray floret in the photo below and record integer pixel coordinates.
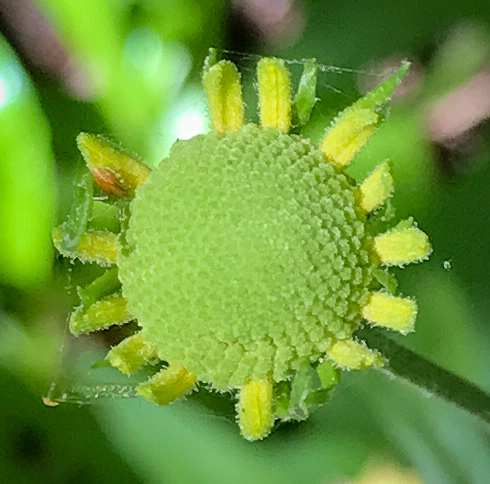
(376, 188)
(391, 312)
(356, 124)
(402, 245)
(353, 355)
(224, 90)
(114, 170)
(167, 385)
(131, 354)
(255, 410)
(98, 246)
(348, 135)
(274, 94)
(110, 310)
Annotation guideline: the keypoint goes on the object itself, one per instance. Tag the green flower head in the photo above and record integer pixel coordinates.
(249, 258)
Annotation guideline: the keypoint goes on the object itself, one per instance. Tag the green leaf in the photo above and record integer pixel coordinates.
(282, 393)
(316, 399)
(329, 375)
(386, 279)
(210, 60)
(108, 283)
(102, 363)
(305, 97)
(76, 223)
(305, 382)
(381, 95)
(105, 217)
(404, 224)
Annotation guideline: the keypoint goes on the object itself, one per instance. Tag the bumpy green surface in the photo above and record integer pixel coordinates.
(247, 255)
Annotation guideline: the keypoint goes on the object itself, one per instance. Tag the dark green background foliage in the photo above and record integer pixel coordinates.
(130, 69)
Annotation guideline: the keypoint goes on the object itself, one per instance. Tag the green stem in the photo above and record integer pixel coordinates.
(428, 376)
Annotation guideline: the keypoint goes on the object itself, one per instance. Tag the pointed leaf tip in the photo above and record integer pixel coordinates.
(210, 60)
(381, 94)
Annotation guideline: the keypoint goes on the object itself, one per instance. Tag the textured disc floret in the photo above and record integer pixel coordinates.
(247, 257)
(248, 253)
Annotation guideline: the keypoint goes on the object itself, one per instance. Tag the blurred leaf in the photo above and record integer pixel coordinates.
(446, 330)
(46, 445)
(195, 446)
(33, 354)
(26, 178)
(132, 72)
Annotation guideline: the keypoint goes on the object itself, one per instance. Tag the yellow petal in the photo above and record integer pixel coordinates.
(391, 312)
(353, 355)
(402, 245)
(131, 354)
(167, 385)
(350, 131)
(114, 170)
(376, 188)
(255, 410)
(224, 90)
(274, 94)
(103, 314)
(98, 246)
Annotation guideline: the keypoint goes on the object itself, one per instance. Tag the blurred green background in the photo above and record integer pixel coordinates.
(131, 69)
